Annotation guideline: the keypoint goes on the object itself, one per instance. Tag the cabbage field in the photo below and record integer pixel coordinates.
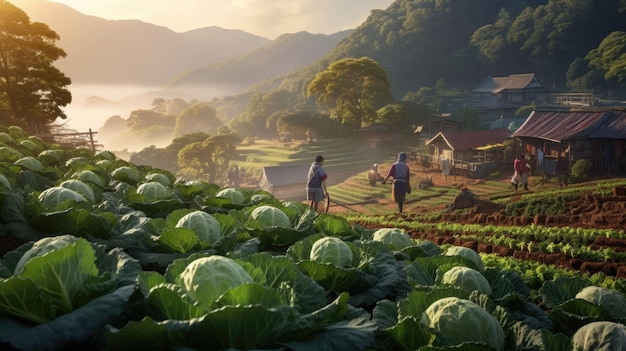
(101, 254)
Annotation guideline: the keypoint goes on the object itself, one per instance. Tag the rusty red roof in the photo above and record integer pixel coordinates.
(471, 139)
(563, 125)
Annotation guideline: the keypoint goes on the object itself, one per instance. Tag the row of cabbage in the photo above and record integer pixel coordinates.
(117, 256)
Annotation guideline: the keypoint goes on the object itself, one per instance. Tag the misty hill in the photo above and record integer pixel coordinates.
(422, 43)
(103, 51)
(286, 53)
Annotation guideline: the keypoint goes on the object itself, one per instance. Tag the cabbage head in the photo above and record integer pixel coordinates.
(270, 216)
(105, 155)
(28, 144)
(52, 198)
(6, 138)
(89, 177)
(125, 174)
(466, 278)
(77, 162)
(234, 195)
(158, 177)
(600, 336)
(8, 153)
(104, 164)
(30, 163)
(42, 247)
(396, 238)
(50, 156)
(458, 320)
(206, 279)
(4, 182)
(152, 191)
(613, 300)
(467, 253)
(206, 227)
(80, 187)
(331, 250)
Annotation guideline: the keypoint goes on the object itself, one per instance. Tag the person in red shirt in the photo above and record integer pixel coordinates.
(521, 172)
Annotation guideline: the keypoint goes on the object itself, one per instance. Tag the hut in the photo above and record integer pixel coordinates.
(471, 153)
(285, 182)
(598, 135)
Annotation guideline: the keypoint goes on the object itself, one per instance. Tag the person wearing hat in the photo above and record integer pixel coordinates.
(316, 183)
(401, 180)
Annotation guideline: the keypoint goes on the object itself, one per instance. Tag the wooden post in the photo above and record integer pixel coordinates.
(93, 145)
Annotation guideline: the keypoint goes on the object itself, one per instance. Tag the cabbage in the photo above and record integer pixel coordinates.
(269, 216)
(42, 247)
(80, 188)
(9, 154)
(125, 174)
(206, 279)
(396, 238)
(6, 138)
(77, 162)
(158, 177)
(331, 250)
(467, 253)
(52, 198)
(4, 182)
(30, 163)
(235, 196)
(457, 321)
(50, 156)
(28, 144)
(613, 300)
(105, 155)
(152, 191)
(600, 336)
(206, 227)
(104, 164)
(88, 177)
(466, 278)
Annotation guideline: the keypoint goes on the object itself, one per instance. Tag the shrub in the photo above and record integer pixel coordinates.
(581, 170)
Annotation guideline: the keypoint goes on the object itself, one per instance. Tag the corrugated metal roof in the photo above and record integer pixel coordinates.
(559, 126)
(512, 82)
(471, 139)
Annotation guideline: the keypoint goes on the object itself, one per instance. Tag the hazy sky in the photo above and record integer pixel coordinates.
(267, 18)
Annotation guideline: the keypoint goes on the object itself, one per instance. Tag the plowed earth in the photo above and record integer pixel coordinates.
(588, 211)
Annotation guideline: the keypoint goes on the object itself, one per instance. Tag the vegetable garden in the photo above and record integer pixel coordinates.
(101, 254)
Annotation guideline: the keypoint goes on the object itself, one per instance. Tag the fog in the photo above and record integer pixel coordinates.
(83, 114)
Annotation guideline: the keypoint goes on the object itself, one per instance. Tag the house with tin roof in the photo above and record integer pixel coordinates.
(598, 135)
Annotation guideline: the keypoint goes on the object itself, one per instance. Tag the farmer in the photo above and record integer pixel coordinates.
(520, 176)
(316, 183)
(401, 180)
(373, 176)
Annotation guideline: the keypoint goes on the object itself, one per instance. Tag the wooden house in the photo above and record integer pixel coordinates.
(498, 96)
(598, 135)
(472, 153)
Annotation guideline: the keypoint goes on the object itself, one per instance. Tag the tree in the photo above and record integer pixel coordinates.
(200, 117)
(210, 157)
(32, 90)
(352, 89)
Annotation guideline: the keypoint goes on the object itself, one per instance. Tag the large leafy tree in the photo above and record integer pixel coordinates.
(32, 90)
(200, 117)
(352, 89)
(209, 157)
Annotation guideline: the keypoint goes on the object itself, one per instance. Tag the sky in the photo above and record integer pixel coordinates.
(266, 18)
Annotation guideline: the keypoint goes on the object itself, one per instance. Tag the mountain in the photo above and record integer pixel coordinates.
(101, 51)
(286, 53)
